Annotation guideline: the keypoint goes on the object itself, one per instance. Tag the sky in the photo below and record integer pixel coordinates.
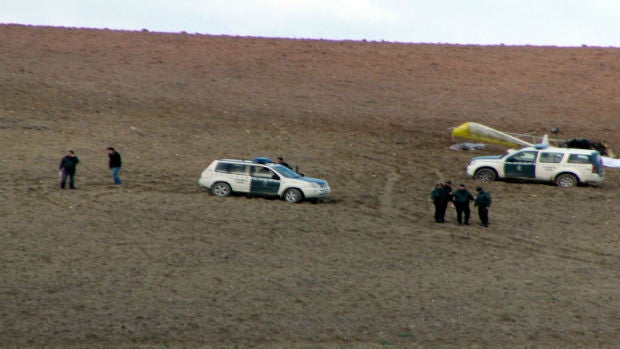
(478, 22)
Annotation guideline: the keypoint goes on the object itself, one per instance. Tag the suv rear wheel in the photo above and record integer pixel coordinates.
(221, 189)
(485, 175)
(566, 180)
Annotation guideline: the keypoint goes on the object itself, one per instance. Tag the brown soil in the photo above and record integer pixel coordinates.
(158, 261)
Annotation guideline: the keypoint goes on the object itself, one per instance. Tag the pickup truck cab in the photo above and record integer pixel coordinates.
(567, 167)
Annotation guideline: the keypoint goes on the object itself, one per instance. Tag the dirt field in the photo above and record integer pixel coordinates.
(159, 262)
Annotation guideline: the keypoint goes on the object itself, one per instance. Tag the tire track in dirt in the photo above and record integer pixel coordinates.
(387, 209)
(386, 206)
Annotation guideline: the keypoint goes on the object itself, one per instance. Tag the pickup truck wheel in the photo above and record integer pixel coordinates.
(485, 175)
(566, 180)
(221, 189)
(293, 195)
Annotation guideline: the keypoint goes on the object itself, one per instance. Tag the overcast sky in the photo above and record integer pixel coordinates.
(483, 22)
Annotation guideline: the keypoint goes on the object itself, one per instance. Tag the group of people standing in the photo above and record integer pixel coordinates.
(68, 165)
(444, 193)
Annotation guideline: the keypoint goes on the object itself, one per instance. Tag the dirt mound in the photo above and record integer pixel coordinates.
(157, 261)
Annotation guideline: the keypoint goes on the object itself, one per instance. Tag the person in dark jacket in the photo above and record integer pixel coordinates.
(447, 186)
(483, 202)
(115, 164)
(281, 162)
(461, 198)
(67, 169)
(440, 198)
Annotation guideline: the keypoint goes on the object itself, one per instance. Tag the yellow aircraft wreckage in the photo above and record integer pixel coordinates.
(482, 133)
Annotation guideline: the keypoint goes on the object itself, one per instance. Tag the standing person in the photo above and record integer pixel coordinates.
(281, 162)
(115, 164)
(447, 187)
(461, 198)
(483, 201)
(440, 198)
(67, 168)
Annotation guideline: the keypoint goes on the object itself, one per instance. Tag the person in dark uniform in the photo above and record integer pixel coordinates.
(67, 169)
(115, 164)
(461, 198)
(447, 185)
(281, 162)
(440, 198)
(483, 202)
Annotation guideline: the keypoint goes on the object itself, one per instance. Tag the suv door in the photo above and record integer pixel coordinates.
(264, 181)
(521, 164)
(548, 164)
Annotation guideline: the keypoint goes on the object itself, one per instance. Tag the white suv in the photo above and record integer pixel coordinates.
(567, 167)
(260, 177)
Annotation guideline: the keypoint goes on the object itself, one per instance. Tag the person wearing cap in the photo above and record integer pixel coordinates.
(67, 168)
(440, 198)
(483, 202)
(461, 198)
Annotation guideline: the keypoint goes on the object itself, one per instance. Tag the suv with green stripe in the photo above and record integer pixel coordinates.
(261, 177)
(567, 167)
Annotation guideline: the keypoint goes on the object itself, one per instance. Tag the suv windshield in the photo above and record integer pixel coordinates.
(286, 172)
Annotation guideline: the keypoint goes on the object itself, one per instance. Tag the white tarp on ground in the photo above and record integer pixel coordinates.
(611, 162)
(468, 146)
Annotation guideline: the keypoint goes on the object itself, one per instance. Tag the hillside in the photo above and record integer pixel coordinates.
(160, 262)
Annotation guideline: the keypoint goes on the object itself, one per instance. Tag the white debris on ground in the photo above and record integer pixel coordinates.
(468, 146)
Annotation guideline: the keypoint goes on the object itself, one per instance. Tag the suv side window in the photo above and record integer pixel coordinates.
(238, 169)
(548, 157)
(231, 168)
(262, 172)
(579, 159)
(524, 156)
(223, 167)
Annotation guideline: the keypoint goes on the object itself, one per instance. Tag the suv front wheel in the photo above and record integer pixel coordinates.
(485, 175)
(293, 195)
